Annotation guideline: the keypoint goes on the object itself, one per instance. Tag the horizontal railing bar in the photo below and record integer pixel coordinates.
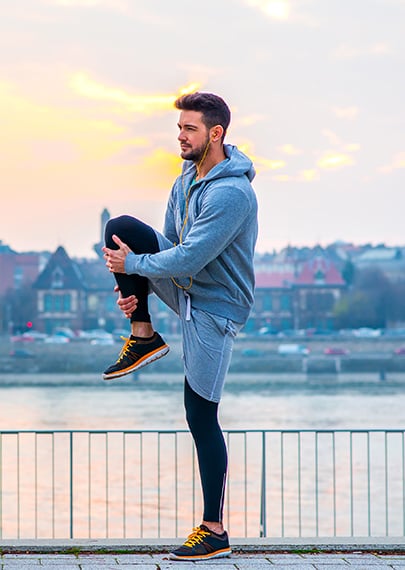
(176, 431)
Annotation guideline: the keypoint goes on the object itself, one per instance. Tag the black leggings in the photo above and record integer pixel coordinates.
(140, 238)
(202, 419)
(201, 414)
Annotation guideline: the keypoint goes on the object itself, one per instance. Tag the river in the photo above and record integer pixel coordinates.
(155, 402)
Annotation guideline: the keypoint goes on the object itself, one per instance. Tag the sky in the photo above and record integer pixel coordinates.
(87, 122)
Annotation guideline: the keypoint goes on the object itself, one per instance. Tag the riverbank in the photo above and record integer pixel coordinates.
(251, 355)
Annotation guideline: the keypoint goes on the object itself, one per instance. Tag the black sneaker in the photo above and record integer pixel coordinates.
(203, 544)
(135, 354)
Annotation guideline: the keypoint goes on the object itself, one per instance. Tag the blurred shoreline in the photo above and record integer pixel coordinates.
(252, 355)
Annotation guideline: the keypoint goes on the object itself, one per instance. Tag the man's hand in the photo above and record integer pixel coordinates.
(115, 258)
(126, 304)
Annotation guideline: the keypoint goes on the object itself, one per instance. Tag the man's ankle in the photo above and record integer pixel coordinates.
(142, 330)
(216, 527)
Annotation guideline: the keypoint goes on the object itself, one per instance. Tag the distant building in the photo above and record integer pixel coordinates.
(390, 260)
(292, 293)
(18, 270)
(78, 295)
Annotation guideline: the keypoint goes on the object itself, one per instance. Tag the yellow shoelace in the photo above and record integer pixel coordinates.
(125, 348)
(196, 536)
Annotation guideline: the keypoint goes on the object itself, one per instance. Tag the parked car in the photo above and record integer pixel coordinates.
(22, 353)
(29, 336)
(94, 334)
(56, 339)
(26, 337)
(365, 332)
(292, 350)
(336, 351)
(400, 351)
(102, 341)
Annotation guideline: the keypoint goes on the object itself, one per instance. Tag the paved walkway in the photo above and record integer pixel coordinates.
(244, 561)
(248, 554)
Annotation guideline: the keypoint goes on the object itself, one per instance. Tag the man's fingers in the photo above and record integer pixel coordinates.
(117, 240)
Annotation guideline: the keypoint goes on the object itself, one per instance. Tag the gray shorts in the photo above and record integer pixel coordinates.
(207, 339)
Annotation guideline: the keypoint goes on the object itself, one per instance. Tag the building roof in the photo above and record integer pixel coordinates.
(319, 271)
(96, 276)
(66, 270)
(274, 279)
(379, 254)
(315, 272)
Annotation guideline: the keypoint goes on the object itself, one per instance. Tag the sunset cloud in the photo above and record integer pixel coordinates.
(83, 85)
(260, 163)
(332, 137)
(309, 175)
(331, 160)
(289, 149)
(346, 112)
(397, 162)
(274, 9)
(114, 4)
(158, 171)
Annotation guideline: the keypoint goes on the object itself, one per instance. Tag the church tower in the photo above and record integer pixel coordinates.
(105, 216)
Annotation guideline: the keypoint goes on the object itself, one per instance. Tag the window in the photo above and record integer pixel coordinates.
(18, 277)
(285, 302)
(267, 302)
(67, 303)
(57, 278)
(48, 305)
(57, 303)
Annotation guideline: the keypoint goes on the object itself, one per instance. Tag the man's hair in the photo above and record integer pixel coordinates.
(214, 110)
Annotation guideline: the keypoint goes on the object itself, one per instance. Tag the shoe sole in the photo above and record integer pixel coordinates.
(218, 554)
(147, 359)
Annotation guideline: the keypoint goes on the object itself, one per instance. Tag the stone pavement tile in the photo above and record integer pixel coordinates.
(214, 564)
(95, 558)
(362, 559)
(285, 558)
(58, 560)
(92, 565)
(352, 567)
(399, 560)
(246, 562)
(323, 558)
(124, 559)
(288, 566)
(22, 559)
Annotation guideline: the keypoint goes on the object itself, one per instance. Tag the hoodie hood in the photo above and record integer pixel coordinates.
(235, 164)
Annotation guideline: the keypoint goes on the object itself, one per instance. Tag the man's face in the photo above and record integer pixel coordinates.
(193, 135)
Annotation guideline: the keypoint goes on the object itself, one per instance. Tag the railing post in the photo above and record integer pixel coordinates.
(1, 485)
(71, 485)
(263, 525)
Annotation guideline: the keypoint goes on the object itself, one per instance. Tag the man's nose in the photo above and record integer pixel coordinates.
(181, 136)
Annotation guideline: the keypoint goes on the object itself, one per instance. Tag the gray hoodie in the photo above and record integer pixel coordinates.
(218, 238)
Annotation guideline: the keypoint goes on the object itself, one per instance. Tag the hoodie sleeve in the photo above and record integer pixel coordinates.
(169, 228)
(223, 212)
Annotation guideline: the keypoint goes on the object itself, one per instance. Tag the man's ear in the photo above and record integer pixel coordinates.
(216, 133)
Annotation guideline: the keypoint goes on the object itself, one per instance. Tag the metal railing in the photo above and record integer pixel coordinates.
(118, 484)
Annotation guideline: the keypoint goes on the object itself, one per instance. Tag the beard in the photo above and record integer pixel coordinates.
(195, 154)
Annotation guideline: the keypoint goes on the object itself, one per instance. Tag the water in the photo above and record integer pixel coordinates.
(156, 402)
(107, 498)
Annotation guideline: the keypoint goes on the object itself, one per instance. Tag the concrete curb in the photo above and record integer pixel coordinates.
(242, 545)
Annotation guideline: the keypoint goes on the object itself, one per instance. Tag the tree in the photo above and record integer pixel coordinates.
(368, 304)
(19, 306)
(349, 272)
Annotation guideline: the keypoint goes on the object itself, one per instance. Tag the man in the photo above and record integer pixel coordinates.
(202, 267)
